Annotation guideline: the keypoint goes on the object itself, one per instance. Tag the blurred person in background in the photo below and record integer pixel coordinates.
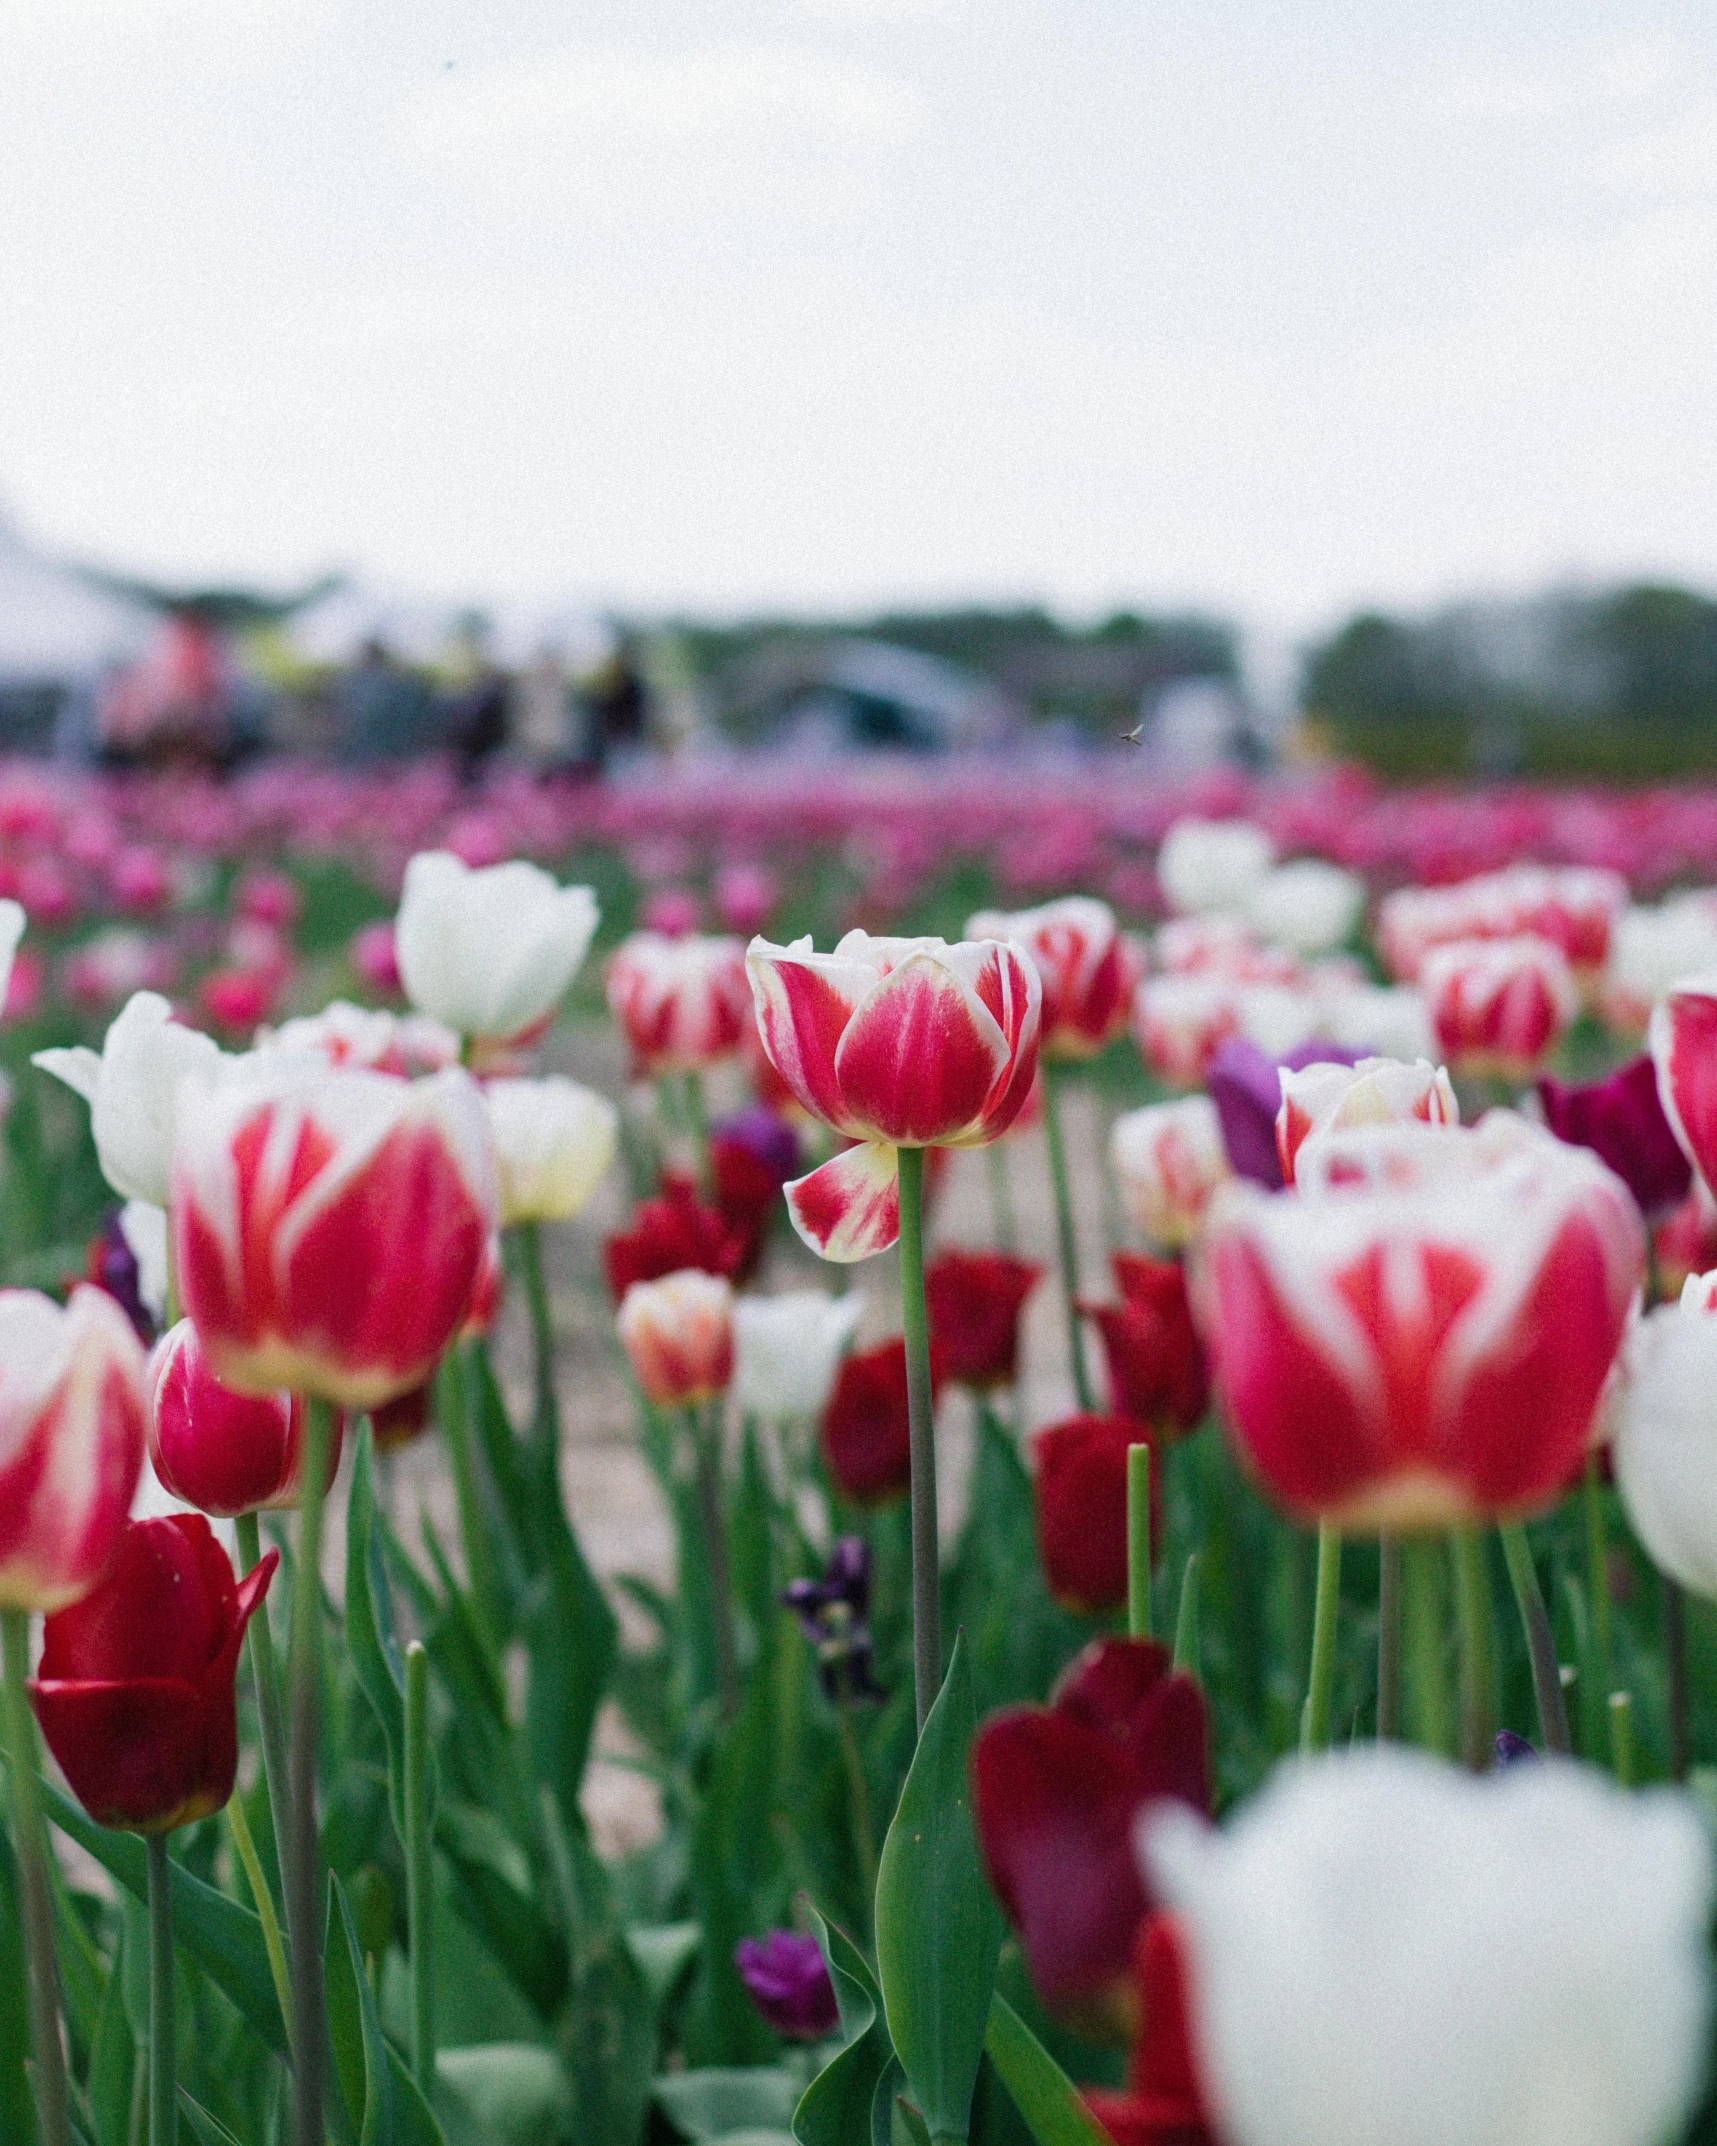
(382, 712)
(173, 706)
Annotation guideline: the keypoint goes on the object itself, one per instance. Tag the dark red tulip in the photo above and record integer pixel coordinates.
(1081, 1495)
(1157, 1369)
(135, 1687)
(1163, 2104)
(1622, 1121)
(975, 1300)
(786, 1979)
(669, 1233)
(866, 1441)
(1056, 1794)
(752, 1156)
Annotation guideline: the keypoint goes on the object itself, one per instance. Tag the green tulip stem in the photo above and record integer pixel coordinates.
(545, 1415)
(1540, 1640)
(33, 1875)
(163, 2040)
(697, 1118)
(256, 1878)
(303, 1881)
(1675, 1672)
(419, 1890)
(1001, 1198)
(921, 1418)
(1066, 1242)
(1425, 1607)
(1598, 1564)
(1186, 1623)
(1320, 1685)
(1139, 1541)
(1473, 1618)
(271, 1722)
(1388, 1638)
(706, 1444)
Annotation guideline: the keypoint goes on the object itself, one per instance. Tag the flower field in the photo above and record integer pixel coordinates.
(886, 1453)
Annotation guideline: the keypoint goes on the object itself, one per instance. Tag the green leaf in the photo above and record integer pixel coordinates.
(712, 2103)
(939, 1932)
(573, 1640)
(836, 2109)
(510, 2093)
(208, 2128)
(112, 2064)
(17, 2118)
(663, 1952)
(1045, 2097)
(224, 1939)
(369, 1620)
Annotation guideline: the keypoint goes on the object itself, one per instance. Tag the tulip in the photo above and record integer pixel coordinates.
(1381, 1948)
(1157, 1370)
(490, 952)
(672, 1231)
(786, 1351)
(895, 1043)
(1080, 1491)
(375, 960)
(1684, 1047)
(1056, 1795)
(1181, 1022)
(1209, 866)
(1246, 1086)
(329, 1229)
(1308, 905)
(1499, 1006)
(752, 1156)
(785, 1977)
(1224, 947)
(1419, 1335)
(223, 1452)
(682, 1004)
(1621, 1120)
(1170, 1159)
(975, 1301)
(1088, 969)
(865, 1428)
(1320, 1100)
(1651, 951)
(1665, 1446)
(72, 1419)
(1369, 1021)
(344, 1035)
(554, 1141)
(1165, 2103)
(1685, 1241)
(113, 1265)
(132, 1087)
(134, 1691)
(831, 1613)
(678, 1334)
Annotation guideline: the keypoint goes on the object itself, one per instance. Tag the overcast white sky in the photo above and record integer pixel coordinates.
(747, 303)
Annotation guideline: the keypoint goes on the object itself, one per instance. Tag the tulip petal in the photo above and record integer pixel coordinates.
(921, 1055)
(1684, 1045)
(803, 1001)
(850, 1207)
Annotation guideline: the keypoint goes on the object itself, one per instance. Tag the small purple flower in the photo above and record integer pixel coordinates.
(831, 1613)
(113, 1267)
(789, 1984)
(1512, 1750)
(1622, 1121)
(766, 1136)
(1246, 1086)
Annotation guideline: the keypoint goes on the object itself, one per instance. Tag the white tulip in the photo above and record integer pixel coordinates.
(144, 1228)
(1652, 950)
(1207, 866)
(788, 1349)
(130, 1087)
(1169, 1158)
(1384, 1951)
(1665, 1444)
(1307, 905)
(12, 922)
(1390, 1022)
(554, 1141)
(489, 952)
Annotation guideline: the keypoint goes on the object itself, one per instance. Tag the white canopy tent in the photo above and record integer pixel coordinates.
(57, 628)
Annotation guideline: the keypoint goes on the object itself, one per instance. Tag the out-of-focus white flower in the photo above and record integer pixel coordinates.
(490, 952)
(346, 1035)
(787, 1350)
(1308, 905)
(144, 1228)
(1169, 1159)
(1665, 1442)
(12, 921)
(1207, 866)
(1392, 1023)
(131, 1086)
(554, 1141)
(1387, 1952)
(1276, 1017)
(1650, 951)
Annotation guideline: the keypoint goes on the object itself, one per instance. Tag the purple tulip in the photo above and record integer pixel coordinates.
(766, 1136)
(789, 1984)
(831, 1613)
(1622, 1121)
(1246, 1086)
(113, 1267)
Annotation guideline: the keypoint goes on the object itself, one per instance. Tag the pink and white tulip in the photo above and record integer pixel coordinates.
(1181, 1022)
(223, 1452)
(1088, 968)
(1683, 1038)
(1169, 1159)
(681, 1003)
(1499, 1006)
(1323, 1099)
(678, 1334)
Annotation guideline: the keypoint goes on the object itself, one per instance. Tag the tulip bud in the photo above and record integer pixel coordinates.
(678, 1333)
(975, 1300)
(1322, 1099)
(1080, 1491)
(1169, 1158)
(866, 1429)
(71, 1442)
(490, 952)
(786, 1978)
(554, 1141)
(223, 1452)
(1157, 1370)
(134, 1691)
(1208, 866)
(132, 1087)
(1499, 1006)
(1088, 970)
(682, 1004)
(329, 1228)
(786, 1351)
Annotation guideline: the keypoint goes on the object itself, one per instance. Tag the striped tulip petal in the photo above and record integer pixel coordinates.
(849, 1208)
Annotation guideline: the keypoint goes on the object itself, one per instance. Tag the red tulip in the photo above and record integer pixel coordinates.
(975, 1300)
(678, 1333)
(1164, 2103)
(865, 1431)
(397, 1422)
(221, 1451)
(1157, 1370)
(1081, 1496)
(1088, 969)
(895, 1043)
(329, 1229)
(1419, 1335)
(1056, 1796)
(71, 1442)
(671, 1232)
(681, 1003)
(1684, 1047)
(1498, 1006)
(134, 1691)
